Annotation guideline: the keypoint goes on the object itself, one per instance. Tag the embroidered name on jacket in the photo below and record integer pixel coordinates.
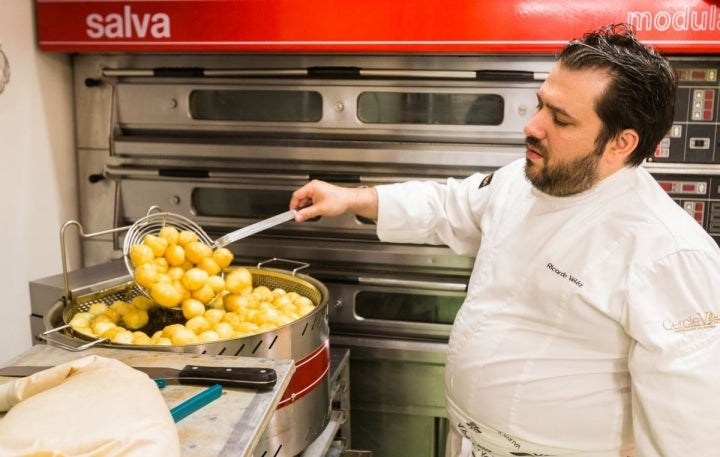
(564, 274)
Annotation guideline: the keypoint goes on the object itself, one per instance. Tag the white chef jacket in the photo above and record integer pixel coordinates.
(591, 326)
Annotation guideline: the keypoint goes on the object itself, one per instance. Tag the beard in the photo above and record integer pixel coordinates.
(564, 178)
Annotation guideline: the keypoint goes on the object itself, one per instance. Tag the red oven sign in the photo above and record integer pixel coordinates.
(518, 26)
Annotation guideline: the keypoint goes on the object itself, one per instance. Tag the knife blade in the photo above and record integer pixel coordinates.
(248, 377)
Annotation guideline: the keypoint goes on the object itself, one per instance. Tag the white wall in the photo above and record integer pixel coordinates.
(37, 169)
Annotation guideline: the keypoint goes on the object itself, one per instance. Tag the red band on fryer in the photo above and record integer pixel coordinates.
(309, 372)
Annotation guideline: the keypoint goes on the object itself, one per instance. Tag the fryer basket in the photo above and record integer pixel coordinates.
(160, 317)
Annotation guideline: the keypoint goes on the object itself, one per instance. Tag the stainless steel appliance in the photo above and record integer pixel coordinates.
(304, 420)
(687, 162)
(225, 139)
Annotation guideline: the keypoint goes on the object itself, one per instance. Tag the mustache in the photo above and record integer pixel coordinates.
(536, 144)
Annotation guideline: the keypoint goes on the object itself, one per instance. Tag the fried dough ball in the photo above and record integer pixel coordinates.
(209, 265)
(162, 341)
(142, 302)
(122, 337)
(135, 318)
(146, 275)
(246, 328)
(184, 335)
(205, 294)
(186, 236)
(216, 283)
(161, 264)
(176, 273)
(195, 251)
(156, 243)
(171, 234)
(238, 280)
(141, 339)
(195, 278)
(168, 330)
(80, 320)
(140, 254)
(120, 307)
(223, 257)
(214, 316)
(208, 337)
(97, 308)
(108, 315)
(224, 330)
(87, 331)
(198, 324)
(236, 302)
(99, 328)
(165, 294)
(192, 308)
(217, 302)
(231, 318)
(175, 255)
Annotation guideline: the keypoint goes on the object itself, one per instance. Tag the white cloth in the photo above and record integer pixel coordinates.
(90, 407)
(591, 325)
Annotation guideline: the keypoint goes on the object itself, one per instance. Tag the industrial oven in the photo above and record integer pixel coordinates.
(225, 137)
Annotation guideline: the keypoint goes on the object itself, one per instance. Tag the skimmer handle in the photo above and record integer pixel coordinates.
(254, 228)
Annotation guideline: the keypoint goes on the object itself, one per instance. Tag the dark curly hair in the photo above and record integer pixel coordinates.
(641, 93)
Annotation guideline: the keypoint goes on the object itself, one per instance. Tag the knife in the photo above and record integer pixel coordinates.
(258, 378)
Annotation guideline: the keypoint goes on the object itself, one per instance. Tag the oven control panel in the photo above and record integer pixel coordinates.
(695, 134)
(699, 196)
(687, 161)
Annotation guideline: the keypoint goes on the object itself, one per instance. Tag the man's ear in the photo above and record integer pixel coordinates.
(619, 148)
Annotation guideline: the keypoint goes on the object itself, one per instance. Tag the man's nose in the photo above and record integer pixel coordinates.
(534, 127)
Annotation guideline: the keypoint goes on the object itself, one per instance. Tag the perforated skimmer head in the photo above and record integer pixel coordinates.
(151, 225)
(154, 222)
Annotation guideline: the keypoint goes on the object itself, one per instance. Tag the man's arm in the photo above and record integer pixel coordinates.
(319, 198)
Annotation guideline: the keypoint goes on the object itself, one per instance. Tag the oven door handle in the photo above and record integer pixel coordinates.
(434, 285)
(119, 172)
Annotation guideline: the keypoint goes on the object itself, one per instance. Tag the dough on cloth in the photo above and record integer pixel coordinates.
(90, 407)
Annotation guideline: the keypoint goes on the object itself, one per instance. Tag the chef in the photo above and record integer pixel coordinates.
(591, 326)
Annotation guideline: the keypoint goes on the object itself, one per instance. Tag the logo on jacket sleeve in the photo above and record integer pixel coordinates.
(486, 181)
(697, 321)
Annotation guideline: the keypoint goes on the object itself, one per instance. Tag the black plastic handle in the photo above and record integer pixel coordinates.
(257, 378)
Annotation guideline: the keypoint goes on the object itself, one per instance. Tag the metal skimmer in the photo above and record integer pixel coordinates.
(153, 222)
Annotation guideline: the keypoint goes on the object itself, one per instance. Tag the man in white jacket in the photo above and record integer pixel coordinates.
(591, 326)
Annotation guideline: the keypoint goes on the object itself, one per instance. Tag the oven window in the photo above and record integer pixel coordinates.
(239, 203)
(408, 307)
(430, 108)
(256, 105)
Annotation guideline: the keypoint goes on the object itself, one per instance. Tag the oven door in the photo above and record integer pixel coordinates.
(396, 329)
(256, 110)
(222, 204)
(395, 306)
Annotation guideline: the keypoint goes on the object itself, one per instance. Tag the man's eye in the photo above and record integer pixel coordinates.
(560, 123)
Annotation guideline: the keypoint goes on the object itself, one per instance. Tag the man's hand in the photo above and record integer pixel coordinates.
(319, 198)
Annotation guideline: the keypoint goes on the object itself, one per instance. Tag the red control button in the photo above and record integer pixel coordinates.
(666, 185)
(707, 115)
(688, 187)
(709, 94)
